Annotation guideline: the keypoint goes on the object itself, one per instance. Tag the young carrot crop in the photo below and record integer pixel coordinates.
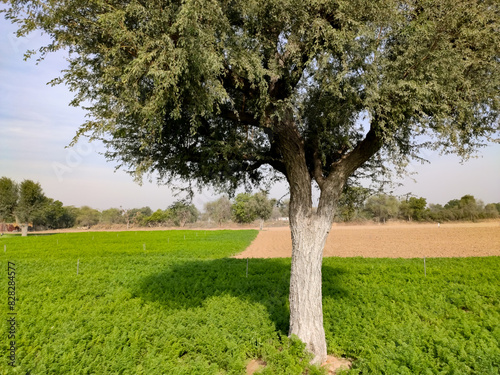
(183, 306)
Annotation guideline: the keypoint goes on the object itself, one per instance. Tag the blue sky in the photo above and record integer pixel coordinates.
(36, 125)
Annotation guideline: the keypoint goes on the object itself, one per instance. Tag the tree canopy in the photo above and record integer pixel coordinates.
(31, 200)
(9, 194)
(198, 89)
(181, 212)
(219, 210)
(242, 208)
(246, 208)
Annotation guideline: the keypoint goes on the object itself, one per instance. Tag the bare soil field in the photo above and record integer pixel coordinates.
(389, 241)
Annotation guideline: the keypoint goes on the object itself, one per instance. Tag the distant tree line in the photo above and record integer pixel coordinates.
(357, 205)
(25, 205)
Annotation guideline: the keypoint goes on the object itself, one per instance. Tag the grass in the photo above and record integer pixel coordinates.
(173, 302)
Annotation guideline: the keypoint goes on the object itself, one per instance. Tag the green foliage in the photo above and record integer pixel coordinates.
(491, 211)
(246, 207)
(219, 210)
(182, 212)
(469, 206)
(31, 200)
(87, 216)
(179, 305)
(8, 199)
(138, 215)
(382, 207)
(413, 208)
(465, 208)
(202, 90)
(29, 204)
(159, 217)
(53, 215)
(454, 203)
(112, 216)
(497, 205)
(262, 206)
(215, 92)
(242, 208)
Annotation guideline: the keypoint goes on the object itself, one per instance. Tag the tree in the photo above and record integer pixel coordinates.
(465, 208)
(53, 215)
(321, 93)
(262, 207)
(454, 203)
(382, 207)
(490, 211)
(437, 212)
(219, 210)
(67, 219)
(452, 209)
(497, 205)
(246, 208)
(31, 200)
(159, 217)
(9, 194)
(127, 215)
(183, 212)
(138, 215)
(469, 207)
(413, 208)
(87, 216)
(32, 207)
(112, 216)
(242, 209)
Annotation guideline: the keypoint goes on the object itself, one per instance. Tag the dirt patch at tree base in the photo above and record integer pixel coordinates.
(389, 241)
(334, 364)
(255, 365)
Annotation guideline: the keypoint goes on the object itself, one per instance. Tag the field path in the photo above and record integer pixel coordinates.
(390, 240)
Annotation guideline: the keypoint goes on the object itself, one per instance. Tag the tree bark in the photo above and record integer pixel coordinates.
(306, 306)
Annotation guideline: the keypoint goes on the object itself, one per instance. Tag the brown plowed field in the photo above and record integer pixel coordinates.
(389, 240)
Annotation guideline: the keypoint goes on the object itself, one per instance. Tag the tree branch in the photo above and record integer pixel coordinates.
(317, 167)
(239, 116)
(363, 151)
(231, 80)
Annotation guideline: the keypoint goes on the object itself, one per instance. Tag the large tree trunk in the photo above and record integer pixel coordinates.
(309, 229)
(306, 309)
(309, 232)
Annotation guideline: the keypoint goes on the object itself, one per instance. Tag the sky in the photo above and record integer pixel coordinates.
(37, 124)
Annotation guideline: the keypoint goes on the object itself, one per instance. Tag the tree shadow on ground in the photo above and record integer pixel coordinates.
(188, 284)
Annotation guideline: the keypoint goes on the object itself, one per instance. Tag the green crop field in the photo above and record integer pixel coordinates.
(174, 302)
